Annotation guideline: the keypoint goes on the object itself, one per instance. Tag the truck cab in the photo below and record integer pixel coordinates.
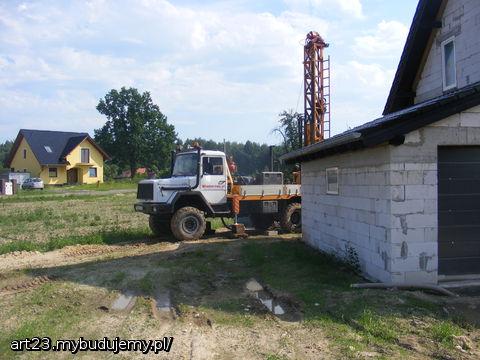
(200, 186)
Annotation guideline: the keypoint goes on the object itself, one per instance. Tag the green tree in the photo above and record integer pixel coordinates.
(4, 151)
(289, 128)
(136, 133)
(110, 171)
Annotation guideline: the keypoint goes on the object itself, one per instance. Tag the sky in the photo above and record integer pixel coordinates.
(217, 69)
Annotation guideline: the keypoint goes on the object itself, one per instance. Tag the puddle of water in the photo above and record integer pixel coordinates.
(265, 298)
(162, 299)
(270, 303)
(123, 301)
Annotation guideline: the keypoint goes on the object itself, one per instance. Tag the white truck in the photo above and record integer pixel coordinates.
(201, 186)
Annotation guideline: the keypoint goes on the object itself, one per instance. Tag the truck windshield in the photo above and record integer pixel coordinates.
(185, 165)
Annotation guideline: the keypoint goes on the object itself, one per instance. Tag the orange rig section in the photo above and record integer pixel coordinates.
(316, 125)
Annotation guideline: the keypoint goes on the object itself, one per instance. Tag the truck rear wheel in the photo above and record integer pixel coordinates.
(291, 220)
(188, 223)
(159, 225)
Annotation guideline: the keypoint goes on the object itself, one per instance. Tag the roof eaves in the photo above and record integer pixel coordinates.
(424, 23)
(312, 150)
(391, 127)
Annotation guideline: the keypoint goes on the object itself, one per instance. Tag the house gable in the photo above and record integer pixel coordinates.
(420, 74)
(23, 159)
(460, 27)
(92, 170)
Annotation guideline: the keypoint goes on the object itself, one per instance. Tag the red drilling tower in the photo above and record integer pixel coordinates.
(316, 125)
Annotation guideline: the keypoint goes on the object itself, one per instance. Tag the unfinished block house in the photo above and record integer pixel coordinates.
(403, 192)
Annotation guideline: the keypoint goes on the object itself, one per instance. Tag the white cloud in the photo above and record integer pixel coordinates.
(210, 69)
(207, 62)
(386, 41)
(352, 8)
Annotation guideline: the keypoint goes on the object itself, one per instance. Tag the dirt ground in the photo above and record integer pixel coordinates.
(80, 287)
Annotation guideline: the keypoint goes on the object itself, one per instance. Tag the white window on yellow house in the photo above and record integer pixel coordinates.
(52, 172)
(85, 156)
(92, 172)
(24, 153)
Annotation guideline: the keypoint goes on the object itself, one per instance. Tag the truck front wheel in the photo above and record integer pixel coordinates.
(291, 220)
(159, 225)
(188, 223)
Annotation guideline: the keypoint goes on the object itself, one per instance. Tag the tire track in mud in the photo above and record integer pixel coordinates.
(28, 284)
(17, 254)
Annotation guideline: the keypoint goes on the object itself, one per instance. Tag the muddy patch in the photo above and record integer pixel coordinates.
(26, 284)
(124, 302)
(162, 306)
(276, 303)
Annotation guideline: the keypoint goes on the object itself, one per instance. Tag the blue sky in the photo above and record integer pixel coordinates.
(217, 69)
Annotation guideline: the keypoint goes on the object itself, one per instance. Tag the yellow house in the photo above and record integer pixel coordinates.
(57, 157)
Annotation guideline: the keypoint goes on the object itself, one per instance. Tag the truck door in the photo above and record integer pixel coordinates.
(214, 179)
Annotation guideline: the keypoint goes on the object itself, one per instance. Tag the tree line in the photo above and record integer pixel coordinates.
(137, 134)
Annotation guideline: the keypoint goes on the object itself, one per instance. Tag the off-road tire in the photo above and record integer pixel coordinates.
(188, 223)
(291, 220)
(262, 222)
(159, 225)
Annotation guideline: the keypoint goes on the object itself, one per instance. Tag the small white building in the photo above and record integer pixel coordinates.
(403, 192)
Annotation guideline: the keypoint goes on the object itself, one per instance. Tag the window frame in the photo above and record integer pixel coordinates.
(450, 40)
(208, 166)
(330, 191)
(51, 170)
(90, 174)
(87, 150)
(24, 153)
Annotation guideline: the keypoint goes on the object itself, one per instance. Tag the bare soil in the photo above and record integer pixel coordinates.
(85, 281)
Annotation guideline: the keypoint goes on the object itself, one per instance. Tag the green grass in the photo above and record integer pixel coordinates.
(100, 238)
(118, 278)
(51, 320)
(443, 332)
(376, 326)
(146, 284)
(107, 185)
(28, 199)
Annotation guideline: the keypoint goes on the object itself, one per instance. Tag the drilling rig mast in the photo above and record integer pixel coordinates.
(316, 125)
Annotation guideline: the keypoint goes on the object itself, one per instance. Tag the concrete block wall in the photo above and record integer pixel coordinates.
(461, 19)
(358, 217)
(386, 209)
(414, 232)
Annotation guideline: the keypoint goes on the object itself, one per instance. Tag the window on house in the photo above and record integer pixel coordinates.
(48, 149)
(92, 172)
(332, 181)
(449, 65)
(52, 172)
(24, 153)
(12, 169)
(85, 156)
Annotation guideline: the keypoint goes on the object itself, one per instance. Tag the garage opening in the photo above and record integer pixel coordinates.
(459, 210)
